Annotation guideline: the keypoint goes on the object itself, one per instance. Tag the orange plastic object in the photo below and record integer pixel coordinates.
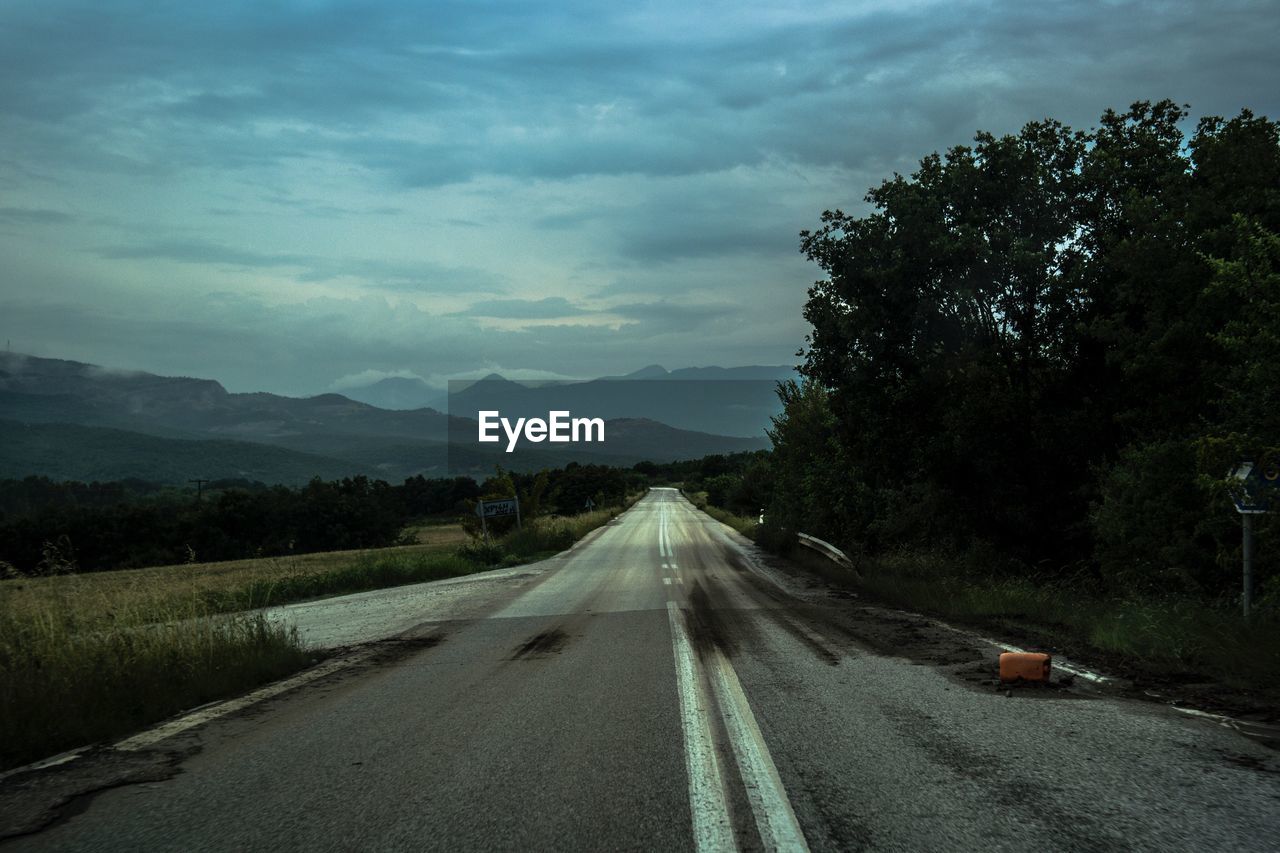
(1024, 666)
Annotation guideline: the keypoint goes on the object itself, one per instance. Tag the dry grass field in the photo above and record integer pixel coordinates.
(138, 596)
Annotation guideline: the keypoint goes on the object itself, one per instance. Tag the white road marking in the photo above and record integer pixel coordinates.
(53, 761)
(712, 829)
(666, 581)
(203, 715)
(664, 538)
(775, 819)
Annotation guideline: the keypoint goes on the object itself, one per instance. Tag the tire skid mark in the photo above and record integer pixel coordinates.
(708, 627)
(541, 644)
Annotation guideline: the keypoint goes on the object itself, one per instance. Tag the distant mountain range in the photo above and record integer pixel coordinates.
(406, 392)
(399, 392)
(732, 402)
(72, 420)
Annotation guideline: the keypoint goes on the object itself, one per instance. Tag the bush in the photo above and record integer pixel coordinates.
(1154, 526)
(484, 553)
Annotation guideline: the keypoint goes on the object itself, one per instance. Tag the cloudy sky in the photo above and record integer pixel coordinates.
(295, 196)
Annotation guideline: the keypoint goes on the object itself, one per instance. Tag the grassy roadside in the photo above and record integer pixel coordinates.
(1168, 638)
(1176, 641)
(741, 523)
(60, 688)
(86, 658)
(86, 602)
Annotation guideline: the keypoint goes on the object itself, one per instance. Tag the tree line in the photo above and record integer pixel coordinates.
(48, 527)
(1050, 347)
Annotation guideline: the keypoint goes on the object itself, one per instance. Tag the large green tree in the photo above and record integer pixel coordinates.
(1029, 340)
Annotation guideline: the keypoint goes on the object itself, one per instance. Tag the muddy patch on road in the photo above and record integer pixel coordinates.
(709, 625)
(833, 622)
(541, 645)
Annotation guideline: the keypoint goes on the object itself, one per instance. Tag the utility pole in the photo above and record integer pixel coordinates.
(199, 488)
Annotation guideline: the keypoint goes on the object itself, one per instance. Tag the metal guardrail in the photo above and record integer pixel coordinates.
(826, 549)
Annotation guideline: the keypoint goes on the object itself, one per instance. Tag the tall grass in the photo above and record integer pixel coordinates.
(540, 537)
(741, 523)
(369, 571)
(74, 675)
(151, 594)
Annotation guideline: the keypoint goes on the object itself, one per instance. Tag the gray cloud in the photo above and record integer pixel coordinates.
(409, 276)
(549, 308)
(201, 252)
(673, 316)
(33, 216)
(406, 156)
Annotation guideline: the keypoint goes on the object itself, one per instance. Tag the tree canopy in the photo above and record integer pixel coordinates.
(1054, 342)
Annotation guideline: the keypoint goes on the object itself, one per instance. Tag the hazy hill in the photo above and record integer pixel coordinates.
(399, 392)
(40, 389)
(766, 373)
(72, 452)
(84, 421)
(719, 402)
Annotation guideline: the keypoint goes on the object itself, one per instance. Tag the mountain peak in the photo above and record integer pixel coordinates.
(652, 371)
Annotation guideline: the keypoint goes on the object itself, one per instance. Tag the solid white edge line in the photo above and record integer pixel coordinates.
(152, 736)
(775, 819)
(44, 763)
(712, 828)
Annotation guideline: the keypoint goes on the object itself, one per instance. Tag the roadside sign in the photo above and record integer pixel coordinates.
(505, 508)
(501, 508)
(1252, 492)
(1252, 483)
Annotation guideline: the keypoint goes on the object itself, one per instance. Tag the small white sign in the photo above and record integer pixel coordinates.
(504, 508)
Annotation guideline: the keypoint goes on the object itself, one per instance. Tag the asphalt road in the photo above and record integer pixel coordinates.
(660, 687)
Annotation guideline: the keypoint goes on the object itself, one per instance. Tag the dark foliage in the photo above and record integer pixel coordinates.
(1053, 343)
